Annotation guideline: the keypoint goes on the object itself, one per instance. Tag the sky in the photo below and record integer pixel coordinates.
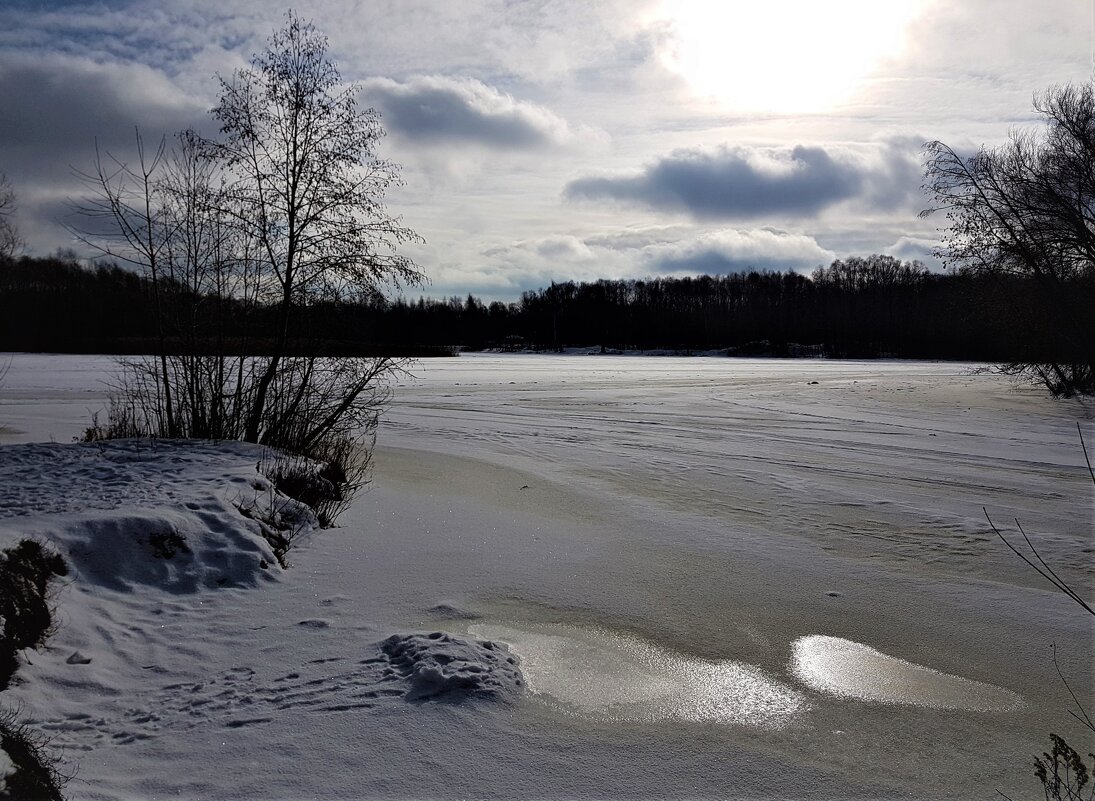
(555, 140)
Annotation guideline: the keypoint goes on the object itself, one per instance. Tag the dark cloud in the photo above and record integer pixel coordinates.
(54, 110)
(729, 183)
(737, 183)
(895, 180)
(462, 111)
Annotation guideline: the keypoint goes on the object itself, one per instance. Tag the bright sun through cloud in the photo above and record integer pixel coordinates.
(783, 56)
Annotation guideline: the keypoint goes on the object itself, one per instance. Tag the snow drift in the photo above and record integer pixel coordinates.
(129, 514)
(441, 666)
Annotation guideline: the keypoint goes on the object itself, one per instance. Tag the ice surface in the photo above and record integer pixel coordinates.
(614, 676)
(894, 459)
(677, 524)
(845, 668)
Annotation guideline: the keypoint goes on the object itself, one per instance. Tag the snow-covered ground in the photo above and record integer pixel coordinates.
(646, 577)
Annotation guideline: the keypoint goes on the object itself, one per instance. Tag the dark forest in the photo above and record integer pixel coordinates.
(855, 308)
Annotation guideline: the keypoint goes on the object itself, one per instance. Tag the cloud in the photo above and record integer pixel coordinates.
(434, 109)
(739, 250)
(894, 174)
(506, 270)
(55, 109)
(911, 248)
(728, 182)
(680, 250)
(742, 183)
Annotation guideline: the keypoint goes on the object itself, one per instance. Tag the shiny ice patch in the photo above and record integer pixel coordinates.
(614, 676)
(852, 670)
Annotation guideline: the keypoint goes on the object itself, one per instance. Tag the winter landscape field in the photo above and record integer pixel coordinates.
(572, 576)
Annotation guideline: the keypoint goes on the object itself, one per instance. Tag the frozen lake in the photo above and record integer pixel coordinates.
(723, 578)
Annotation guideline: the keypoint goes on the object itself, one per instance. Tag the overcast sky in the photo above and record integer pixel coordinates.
(572, 139)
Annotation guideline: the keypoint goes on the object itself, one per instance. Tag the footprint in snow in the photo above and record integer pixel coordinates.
(417, 668)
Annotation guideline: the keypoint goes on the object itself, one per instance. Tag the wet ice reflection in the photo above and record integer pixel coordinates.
(619, 677)
(850, 669)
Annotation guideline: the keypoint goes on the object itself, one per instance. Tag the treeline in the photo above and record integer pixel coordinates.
(55, 304)
(857, 307)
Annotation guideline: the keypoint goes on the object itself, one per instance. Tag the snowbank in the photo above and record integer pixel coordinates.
(169, 572)
(129, 513)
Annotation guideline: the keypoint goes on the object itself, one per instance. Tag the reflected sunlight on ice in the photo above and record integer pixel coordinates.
(850, 669)
(619, 677)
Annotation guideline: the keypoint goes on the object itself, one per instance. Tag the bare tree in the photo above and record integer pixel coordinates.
(1027, 209)
(284, 210)
(214, 279)
(127, 198)
(308, 189)
(10, 241)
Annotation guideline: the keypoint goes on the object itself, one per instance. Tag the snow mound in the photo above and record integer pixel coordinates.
(450, 611)
(177, 516)
(178, 551)
(442, 666)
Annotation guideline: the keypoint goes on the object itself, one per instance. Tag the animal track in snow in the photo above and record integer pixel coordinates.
(404, 667)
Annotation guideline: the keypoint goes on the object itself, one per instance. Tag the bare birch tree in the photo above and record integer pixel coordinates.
(284, 209)
(308, 188)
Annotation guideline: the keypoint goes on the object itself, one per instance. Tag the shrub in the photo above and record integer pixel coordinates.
(242, 237)
(121, 423)
(324, 480)
(1063, 773)
(26, 571)
(282, 520)
(25, 574)
(35, 776)
(166, 544)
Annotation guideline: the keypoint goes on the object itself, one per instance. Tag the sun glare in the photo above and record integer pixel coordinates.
(783, 55)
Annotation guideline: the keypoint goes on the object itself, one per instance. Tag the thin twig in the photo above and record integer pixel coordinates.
(1085, 719)
(1061, 584)
(1086, 457)
(1022, 556)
